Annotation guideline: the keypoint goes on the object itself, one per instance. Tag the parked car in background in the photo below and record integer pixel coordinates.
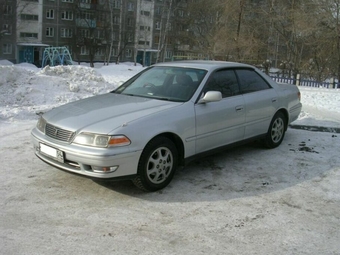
(163, 117)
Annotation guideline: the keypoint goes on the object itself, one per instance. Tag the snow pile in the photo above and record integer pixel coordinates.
(5, 63)
(320, 107)
(329, 97)
(78, 78)
(26, 90)
(117, 74)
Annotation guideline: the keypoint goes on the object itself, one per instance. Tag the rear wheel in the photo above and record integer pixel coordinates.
(276, 131)
(157, 164)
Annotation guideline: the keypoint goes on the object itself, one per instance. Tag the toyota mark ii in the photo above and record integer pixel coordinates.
(163, 117)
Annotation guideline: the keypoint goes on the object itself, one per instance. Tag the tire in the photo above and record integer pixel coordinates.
(157, 165)
(276, 131)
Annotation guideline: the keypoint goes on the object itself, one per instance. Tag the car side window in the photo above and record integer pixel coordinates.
(224, 81)
(250, 81)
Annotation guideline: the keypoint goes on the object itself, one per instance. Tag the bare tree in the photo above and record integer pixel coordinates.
(165, 26)
(206, 20)
(86, 30)
(119, 48)
(329, 29)
(143, 32)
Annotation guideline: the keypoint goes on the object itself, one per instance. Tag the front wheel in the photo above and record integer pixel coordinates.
(276, 131)
(157, 164)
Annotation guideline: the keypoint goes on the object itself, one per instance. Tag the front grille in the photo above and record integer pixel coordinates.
(59, 133)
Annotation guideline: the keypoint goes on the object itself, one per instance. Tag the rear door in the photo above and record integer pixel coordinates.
(261, 102)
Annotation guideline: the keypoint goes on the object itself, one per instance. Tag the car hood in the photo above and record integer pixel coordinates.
(104, 113)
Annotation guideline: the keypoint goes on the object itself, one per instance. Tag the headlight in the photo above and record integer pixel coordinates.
(41, 124)
(97, 140)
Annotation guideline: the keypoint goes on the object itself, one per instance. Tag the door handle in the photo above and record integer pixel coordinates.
(274, 100)
(239, 108)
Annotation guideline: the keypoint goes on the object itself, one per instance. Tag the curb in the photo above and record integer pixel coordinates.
(316, 128)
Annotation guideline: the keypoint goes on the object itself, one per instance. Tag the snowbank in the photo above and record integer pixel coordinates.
(27, 90)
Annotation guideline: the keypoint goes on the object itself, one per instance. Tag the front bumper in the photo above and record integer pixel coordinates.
(81, 159)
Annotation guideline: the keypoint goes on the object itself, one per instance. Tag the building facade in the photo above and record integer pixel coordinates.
(8, 30)
(141, 31)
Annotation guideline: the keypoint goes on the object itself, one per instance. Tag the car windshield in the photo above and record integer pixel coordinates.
(164, 83)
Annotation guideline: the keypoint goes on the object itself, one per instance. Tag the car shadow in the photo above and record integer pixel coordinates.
(244, 171)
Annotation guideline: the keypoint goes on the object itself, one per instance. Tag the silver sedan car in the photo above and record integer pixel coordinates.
(163, 117)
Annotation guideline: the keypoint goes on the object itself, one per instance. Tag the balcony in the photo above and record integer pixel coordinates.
(86, 6)
(88, 23)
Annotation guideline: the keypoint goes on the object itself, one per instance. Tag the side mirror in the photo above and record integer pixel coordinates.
(211, 96)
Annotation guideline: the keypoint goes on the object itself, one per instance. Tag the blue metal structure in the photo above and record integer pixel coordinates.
(54, 56)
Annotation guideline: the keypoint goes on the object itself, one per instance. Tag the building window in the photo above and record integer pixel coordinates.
(29, 35)
(114, 36)
(131, 7)
(49, 32)
(67, 1)
(7, 29)
(50, 14)
(29, 17)
(144, 43)
(128, 53)
(158, 25)
(67, 15)
(115, 20)
(99, 34)
(181, 13)
(66, 33)
(100, 52)
(84, 50)
(7, 48)
(7, 9)
(130, 22)
(115, 4)
(158, 10)
(145, 13)
(130, 37)
(168, 54)
(85, 33)
(144, 28)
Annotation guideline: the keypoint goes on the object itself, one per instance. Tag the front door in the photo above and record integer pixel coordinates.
(220, 123)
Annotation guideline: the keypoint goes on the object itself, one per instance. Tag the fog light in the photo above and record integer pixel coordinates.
(104, 169)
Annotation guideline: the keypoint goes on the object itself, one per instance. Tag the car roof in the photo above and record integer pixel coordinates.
(204, 64)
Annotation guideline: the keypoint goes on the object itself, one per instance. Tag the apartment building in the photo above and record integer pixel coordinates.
(92, 30)
(29, 43)
(8, 30)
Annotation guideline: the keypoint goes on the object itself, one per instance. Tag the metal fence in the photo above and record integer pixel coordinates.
(308, 83)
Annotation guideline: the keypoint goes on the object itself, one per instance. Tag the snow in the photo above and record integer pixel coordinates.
(248, 200)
